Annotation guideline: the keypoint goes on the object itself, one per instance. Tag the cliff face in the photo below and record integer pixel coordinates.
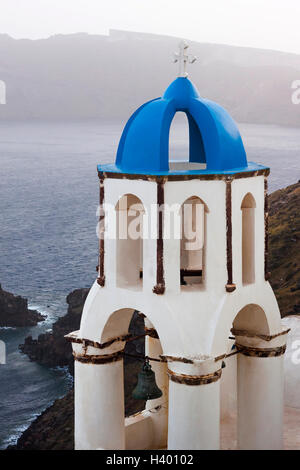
(51, 349)
(14, 311)
(54, 429)
(284, 249)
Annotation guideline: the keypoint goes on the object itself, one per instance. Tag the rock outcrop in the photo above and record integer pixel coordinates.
(14, 311)
(51, 349)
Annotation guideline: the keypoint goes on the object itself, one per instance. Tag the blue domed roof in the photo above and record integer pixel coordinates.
(214, 136)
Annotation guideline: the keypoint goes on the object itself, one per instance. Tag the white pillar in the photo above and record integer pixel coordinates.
(194, 410)
(159, 416)
(229, 388)
(260, 385)
(99, 402)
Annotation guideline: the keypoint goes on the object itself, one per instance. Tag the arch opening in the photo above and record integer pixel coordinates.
(132, 365)
(193, 240)
(129, 243)
(248, 239)
(250, 319)
(146, 422)
(186, 150)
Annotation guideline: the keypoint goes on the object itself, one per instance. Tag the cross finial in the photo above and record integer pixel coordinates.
(182, 58)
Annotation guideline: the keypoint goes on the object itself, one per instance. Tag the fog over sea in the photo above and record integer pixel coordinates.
(48, 245)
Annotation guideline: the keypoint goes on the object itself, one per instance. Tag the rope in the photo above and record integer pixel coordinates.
(165, 358)
(194, 379)
(248, 334)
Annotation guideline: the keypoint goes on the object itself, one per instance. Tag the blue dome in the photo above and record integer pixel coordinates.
(214, 136)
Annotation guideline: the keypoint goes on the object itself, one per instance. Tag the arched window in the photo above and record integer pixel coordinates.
(130, 211)
(248, 239)
(192, 249)
(179, 147)
(186, 151)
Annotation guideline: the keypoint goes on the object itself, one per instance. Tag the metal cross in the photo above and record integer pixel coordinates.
(182, 58)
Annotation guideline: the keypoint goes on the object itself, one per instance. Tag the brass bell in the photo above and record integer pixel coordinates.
(146, 388)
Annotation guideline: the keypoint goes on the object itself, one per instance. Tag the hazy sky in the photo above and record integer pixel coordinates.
(272, 24)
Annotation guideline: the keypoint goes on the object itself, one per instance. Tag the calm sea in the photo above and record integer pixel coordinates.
(48, 244)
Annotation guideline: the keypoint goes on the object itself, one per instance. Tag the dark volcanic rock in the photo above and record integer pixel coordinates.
(52, 349)
(52, 430)
(14, 311)
(284, 249)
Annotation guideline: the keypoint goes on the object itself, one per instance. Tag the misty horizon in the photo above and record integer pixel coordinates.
(271, 24)
(84, 76)
(145, 34)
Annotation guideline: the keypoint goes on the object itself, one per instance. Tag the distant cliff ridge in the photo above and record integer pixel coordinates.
(81, 76)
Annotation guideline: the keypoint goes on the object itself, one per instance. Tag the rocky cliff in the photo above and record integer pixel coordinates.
(14, 311)
(52, 430)
(284, 252)
(51, 349)
(55, 427)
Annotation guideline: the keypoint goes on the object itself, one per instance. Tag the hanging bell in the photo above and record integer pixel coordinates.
(146, 388)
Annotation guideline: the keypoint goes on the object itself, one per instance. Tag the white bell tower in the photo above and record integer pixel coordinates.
(185, 244)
